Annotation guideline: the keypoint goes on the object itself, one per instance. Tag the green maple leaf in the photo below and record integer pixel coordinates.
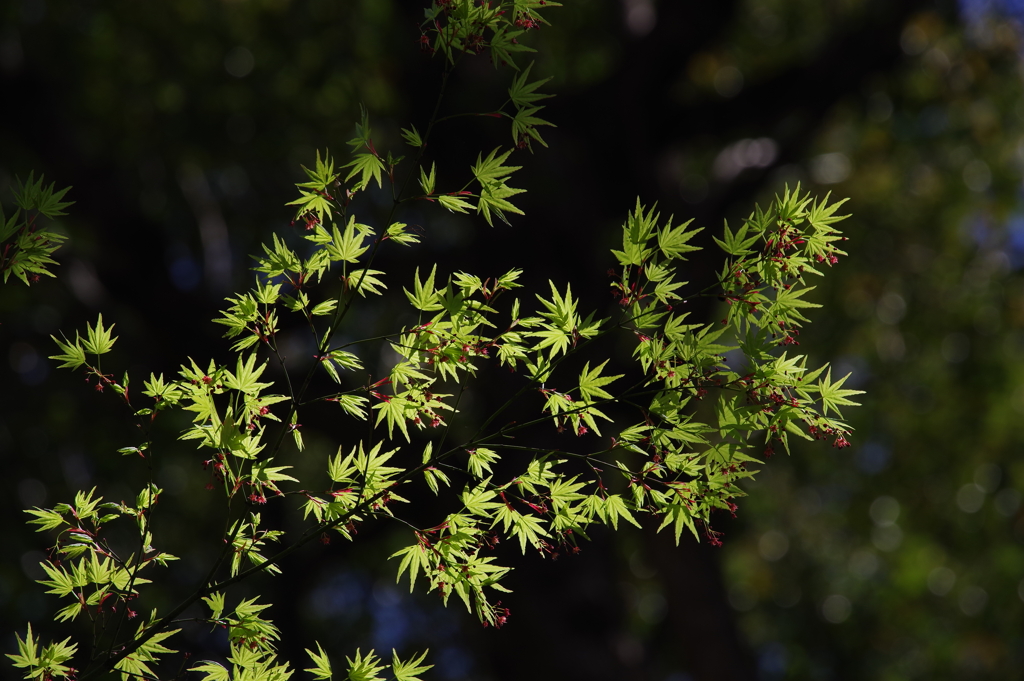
(833, 395)
(411, 669)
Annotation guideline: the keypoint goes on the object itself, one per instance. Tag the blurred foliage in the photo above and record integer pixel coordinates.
(900, 558)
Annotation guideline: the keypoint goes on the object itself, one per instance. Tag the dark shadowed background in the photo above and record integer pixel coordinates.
(181, 126)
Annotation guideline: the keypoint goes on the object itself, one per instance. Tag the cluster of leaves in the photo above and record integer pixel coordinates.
(95, 579)
(665, 459)
(26, 244)
(770, 392)
(468, 27)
